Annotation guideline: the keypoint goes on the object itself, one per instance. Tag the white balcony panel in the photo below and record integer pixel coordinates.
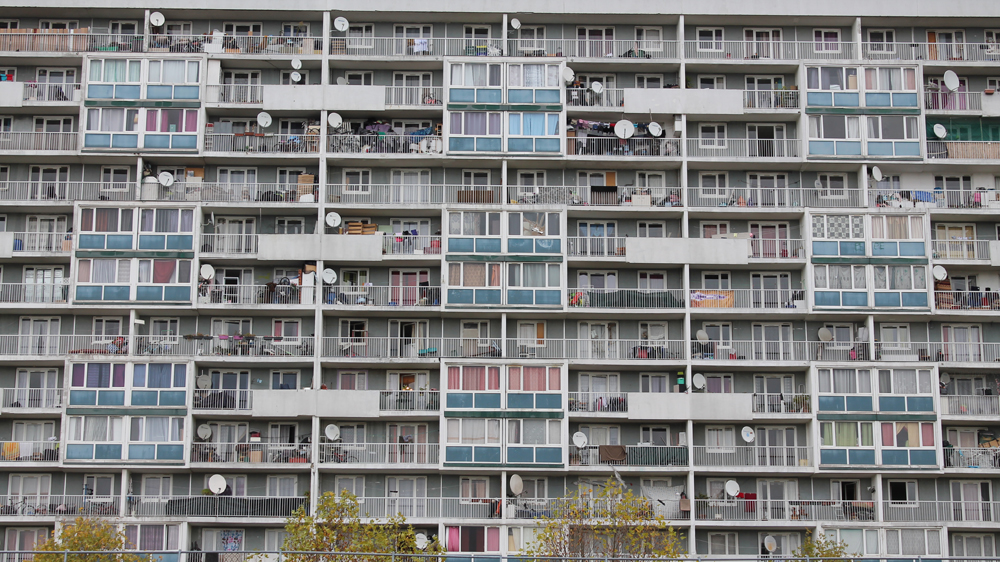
(317, 97)
(686, 250)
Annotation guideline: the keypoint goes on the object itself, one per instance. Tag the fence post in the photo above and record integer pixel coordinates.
(65, 555)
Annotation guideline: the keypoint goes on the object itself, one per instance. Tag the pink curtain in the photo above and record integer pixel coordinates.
(927, 434)
(534, 378)
(473, 378)
(555, 378)
(513, 378)
(163, 270)
(492, 539)
(151, 115)
(454, 378)
(494, 378)
(191, 121)
(454, 545)
(888, 435)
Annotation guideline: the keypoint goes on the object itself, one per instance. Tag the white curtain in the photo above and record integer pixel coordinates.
(534, 274)
(534, 75)
(474, 431)
(475, 74)
(173, 71)
(112, 119)
(104, 271)
(514, 76)
(475, 123)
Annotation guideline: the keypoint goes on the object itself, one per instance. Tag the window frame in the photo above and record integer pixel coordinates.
(717, 141)
(714, 45)
(821, 41)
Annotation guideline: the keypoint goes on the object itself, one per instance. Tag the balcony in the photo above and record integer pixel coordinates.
(269, 294)
(57, 345)
(777, 249)
(393, 47)
(67, 41)
(597, 350)
(770, 100)
(408, 454)
(966, 300)
(738, 509)
(977, 405)
(22, 140)
(948, 103)
(594, 247)
(609, 98)
(434, 509)
(229, 244)
(29, 451)
(261, 143)
(935, 511)
(768, 51)
(751, 457)
(790, 351)
(250, 193)
(225, 346)
(781, 403)
(353, 297)
(756, 198)
(385, 144)
(951, 52)
(413, 348)
(215, 506)
(978, 458)
(747, 299)
(410, 245)
(34, 292)
(428, 97)
(237, 44)
(23, 400)
(628, 455)
(253, 452)
(743, 148)
(963, 150)
(60, 506)
(48, 191)
(625, 297)
(614, 147)
(50, 93)
(591, 509)
(235, 94)
(961, 250)
(44, 243)
(598, 402)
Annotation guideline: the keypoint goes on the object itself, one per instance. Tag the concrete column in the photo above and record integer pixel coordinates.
(325, 69)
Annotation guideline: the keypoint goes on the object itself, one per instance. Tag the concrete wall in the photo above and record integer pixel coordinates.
(686, 250)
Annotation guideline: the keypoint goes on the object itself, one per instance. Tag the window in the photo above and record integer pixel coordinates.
(287, 329)
(846, 434)
(651, 81)
(718, 280)
(533, 432)
(98, 485)
(655, 436)
(838, 227)
(172, 71)
(357, 181)
(856, 541)
(719, 384)
(719, 332)
(834, 127)
(533, 224)
(845, 381)
(826, 40)
(159, 375)
(891, 78)
(351, 381)
(843, 335)
(473, 377)
(530, 334)
(475, 123)
(152, 537)
(649, 38)
(913, 542)
(473, 539)
(904, 381)
(534, 379)
(166, 220)
(289, 225)
(361, 36)
(720, 439)
(115, 179)
(895, 336)
(353, 278)
(9, 24)
(710, 39)
(897, 227)
(892, 127)
(723, 543)
(164, 271)
(285, 486)
(475, 75)
(98, 375)
(108, 326)
(598, 384)
(713, 183)
(712, 135)
(354, 485)
(652, 280)
(533, 124)
(473, 432)
(157, 429)
(653, 383)
(651, 229)
(95, 429)
(712, 82)
(902, 492)
(474, 274)
(532, 36)
(907, 434)
(164, 327)
(474, 223)
(241, 28)
(359, 78)
(597, 279)
(171, 120)
(881, 41)
(115, 71)
(831, 78)
(652, 333)
(901, 277)
(832, 185)
(533, 275)
(352, 433)
(106, 220)
(532, 75)
(112, 119)
(284, 380)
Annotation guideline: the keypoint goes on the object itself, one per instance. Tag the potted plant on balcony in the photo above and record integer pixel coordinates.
(800, 404)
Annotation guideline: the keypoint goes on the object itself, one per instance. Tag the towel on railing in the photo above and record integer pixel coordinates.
(612, 453)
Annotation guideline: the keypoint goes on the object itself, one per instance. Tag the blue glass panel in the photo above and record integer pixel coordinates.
(911, 249)
(83, 397)
(880, 148)
(831, 403)
(461, 95)
(852, 248)
(488, 296)
(854, 299)
(891, 456)
(108, 452)
(846, 99)
(172, 398)
(487, 454)
(914, 299)
(460, 296)
(552, 455)
(179, 241)
(884, 249)
(159, 92)
(184, 142)
(546, 96)
(94, 140)
(489, 96)
(119, 242)
(521, 401)
(520, 296)
(907, 148)
(152, 241)
(859, 404)
(826, 248)
(144, 397)
(849, 148)
(91, 242)
(116, 293)
(488, 145)
(126, 92)
(547, 297)
(143, 452)
(827, 298)
(919, 404)
(79, 451)
(548, 401)
(878, 99)
(459, 400)
(464, 144)
(819, 98)
(88, 293)
(461, 245)
(923, 457)
(156, 141)
(111, 398)
(863, 456)
(520, 96)
(185, 92)
(520, 145)
(177, 293)
(491, 245)
(887, 299)
(148, 293)
(892, 403)
(833, 456)
(548, 246)
(822, 148)
(170, 452)
(458, 454)
(520, 454)
(546, 145)
(100, 91)
(520, 245)
(904, 100)
(488, 400)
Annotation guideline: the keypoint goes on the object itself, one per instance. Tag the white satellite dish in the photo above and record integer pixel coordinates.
(770, 544)
(333, 219)
(877, 173)
(818, 184)
(624, 129)
(156, 19)
(296, 76)
(296, 64)
(341, 80)
(329, 276)
(568, 75)
(654, 129)
(341, 24)
(698, 380)
(207, 271)
(951, 80)
(420, 541)
(940, 131)
(732, 487)
(702, 336)
(264, 119)
(939, 272)
(516, 484)
(596, 87)
(217, 484)
(945, 378)
(335, 120)
(748, 434)
(166, 179)
(332, 432)
(580, 439)
(204, 432)
(825, 334)
(203, 382)
(515, 23)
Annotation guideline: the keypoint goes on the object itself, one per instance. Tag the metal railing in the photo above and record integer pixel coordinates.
(43, 242)
(625, 297)
(770, 99)
(35, 92)
(69, 41)
(270, 293)
(409, 194)
(409, 400)
(410, 245)
(590, 508)
(251, 452)
(431, 508)
(594, 247)
(229, 243)
(584, 97)
(776, 249)
(958, 352)
(384, 144)
(773, 197)
(57, 506)
(269, 143)
(34, 292)
(739, 509)
(367, 295)
(381, 347)
(56, 345)
(970, 405)
(65, 191)
(237, 94)
(379, 453)
(593, 49)
(953, 102)
(604, 402)
(222, 399)
(213, 506)
(906, 51)
(222, 346)
(960, 249)
(750, 350)
(781, 403)
(257, 44)
(414, 96)
(494, 47)
(758, 456)
(768, 50)
(616, 147)
(25, 140)
(968, 150)
(610, 196)
(628, 455)
(236, 192)
(596, 350)
(743, 148)
(29, 451)
(966, 300)
(943, 510)
(987, 458)
(743, 298)
(30, 398)
(161, 43)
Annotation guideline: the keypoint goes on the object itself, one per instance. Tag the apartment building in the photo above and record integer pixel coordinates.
(407, 253)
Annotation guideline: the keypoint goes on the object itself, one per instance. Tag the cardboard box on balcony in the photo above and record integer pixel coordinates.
(307, 178)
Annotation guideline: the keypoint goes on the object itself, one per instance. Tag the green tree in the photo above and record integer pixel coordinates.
(611, 523)
(822, 546)
(87, 535)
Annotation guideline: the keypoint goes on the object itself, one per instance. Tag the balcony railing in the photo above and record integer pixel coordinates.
(29, 451)
(384, 144)
(776, 249)
(961, 250)
(584, 97)
(222, 399)
(743, 148)
(65, 191)
(21, 140)
(414, 96)
(379, 453)
(24, 399)
(33, 292)
(625, 297)
(966, 300)
(628, 455)
(751, 350)
(986, 458)
(770, 99)
(604, 402)
(773, 197)
(229, 243)
(381, 347)
(68, 41)
(596, 350)
(768, 50)
(739, 509)
(268, 143)
(492, 47)
(905, 51)
(781, 403)
(43, 242)
(214, 506)
(955, 352)
(430, 508)
(256, 44)
(619, 148)
(409, 400)
(594, 247)
(236, 192)
(58, 506)
(55, 345)
(354, 296)
(224, 346)
(236, 94)
(965, 150)
(743, 298)
(409, 245)
(970, 405)
(932, 511)
(253, 452)
(759, 456)
(270, 293)
(50, 93)
(596, 49)
(953, 102)
(553, 508)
